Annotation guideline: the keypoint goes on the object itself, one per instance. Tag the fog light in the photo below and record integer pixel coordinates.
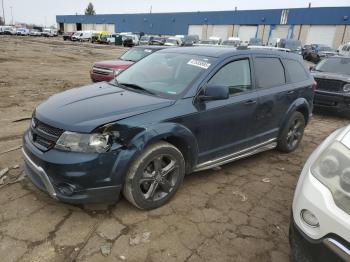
(309, 218)
(66, 189)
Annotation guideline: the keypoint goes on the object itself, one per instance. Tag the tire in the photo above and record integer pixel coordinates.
(292, 133)
(161, 168)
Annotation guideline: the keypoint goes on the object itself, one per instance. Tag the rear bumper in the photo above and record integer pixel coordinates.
(334, 102)
(329, 248)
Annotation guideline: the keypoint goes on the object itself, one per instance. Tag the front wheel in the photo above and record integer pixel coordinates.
(155, 176)
(292, 133)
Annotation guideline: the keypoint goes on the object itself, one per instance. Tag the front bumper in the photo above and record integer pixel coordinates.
(99, 77)
(329, 248)
(76, 178)
(331, 101)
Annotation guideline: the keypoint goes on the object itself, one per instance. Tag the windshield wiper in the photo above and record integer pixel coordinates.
(134, 86)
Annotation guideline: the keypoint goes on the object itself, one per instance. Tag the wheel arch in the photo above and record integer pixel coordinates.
(176, 134)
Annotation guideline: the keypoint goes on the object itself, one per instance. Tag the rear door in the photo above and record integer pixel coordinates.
(274, 95)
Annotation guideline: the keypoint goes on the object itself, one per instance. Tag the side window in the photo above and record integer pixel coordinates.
(234, 75)
(269, 72)
(344, 48)
(295, 71)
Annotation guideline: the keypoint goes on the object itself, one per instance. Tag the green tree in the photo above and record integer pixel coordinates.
(90, 10)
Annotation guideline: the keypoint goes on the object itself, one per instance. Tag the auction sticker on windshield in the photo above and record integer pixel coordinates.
(199, 63)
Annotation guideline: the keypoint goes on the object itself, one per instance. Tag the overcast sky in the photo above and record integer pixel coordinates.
(45, 11)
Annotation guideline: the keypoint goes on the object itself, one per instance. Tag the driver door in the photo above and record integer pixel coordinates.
(227, 126)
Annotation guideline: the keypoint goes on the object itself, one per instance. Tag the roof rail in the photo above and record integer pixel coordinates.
(268, 48)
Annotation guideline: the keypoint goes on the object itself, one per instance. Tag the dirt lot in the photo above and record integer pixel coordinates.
(237, 213)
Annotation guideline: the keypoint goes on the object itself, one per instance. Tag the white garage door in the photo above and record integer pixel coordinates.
(87, 27)
(280, 31)
(220, 31)
(321, 35)
(70, 27)
(111, 28)
(245, 32)
(100, 27)
(195, 30)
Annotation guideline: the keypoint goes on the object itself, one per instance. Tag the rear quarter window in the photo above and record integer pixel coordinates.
(269, 72)
(295, 71)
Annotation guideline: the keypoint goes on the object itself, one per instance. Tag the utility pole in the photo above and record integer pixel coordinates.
(3, 12)
(150, 10)
(11, 16)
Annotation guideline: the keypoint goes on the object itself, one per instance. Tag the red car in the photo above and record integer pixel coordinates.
(107, 70)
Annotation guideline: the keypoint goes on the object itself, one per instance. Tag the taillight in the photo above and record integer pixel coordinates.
(314, 86)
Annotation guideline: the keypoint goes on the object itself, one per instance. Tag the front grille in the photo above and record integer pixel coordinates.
(44, 136)
(330, 85)
(102, 71)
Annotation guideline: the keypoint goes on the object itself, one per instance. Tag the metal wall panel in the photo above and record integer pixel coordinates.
(245, 32)
(196, 30)
(321, 35)
(221, 31)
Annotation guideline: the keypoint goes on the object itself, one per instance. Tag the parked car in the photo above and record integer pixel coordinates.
(68, 36)
(108, 39)
(49, 32)
(9, 30)
(173, 41)
(130, 40)
(320, 221)
(193, 38)
(98, 36)
(158, 40)
(291, 44)
(255, 41)
(146, 40)
(344, 49)
(177, 111)
(332, 75)
(34, 32)
(107, 70)
(82, 36)
(316, 52)
(22, 31)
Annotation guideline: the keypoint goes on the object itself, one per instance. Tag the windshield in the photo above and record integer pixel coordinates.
(340, 65)
(209, 42)
(166, 74)
(136, 54)
(231, 43)
(255, 41)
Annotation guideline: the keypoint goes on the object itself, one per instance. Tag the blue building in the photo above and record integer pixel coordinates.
(325, 25)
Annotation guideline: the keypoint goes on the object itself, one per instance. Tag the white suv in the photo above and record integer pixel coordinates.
(320, 223)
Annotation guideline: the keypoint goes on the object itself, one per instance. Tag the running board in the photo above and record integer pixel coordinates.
(268, 145)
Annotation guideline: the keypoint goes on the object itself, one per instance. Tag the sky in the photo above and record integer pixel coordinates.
(43, 12)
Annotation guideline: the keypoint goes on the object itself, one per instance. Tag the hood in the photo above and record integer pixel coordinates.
(86, 108)
(118, 63)
(329, 75)
(346, 138)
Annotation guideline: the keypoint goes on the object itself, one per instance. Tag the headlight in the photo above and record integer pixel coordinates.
(346, 88)
(88, 143)
(332, 168)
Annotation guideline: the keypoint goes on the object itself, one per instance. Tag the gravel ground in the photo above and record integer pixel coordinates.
(239, 212)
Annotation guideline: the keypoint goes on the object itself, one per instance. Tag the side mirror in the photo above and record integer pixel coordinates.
(312, 68)
(214, 92)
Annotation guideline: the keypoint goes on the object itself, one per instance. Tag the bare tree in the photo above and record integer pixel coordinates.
(90, 10)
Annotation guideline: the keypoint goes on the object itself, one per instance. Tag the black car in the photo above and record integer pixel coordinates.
(315, 52)
(177, 111)
(291, 44)
(333, 84)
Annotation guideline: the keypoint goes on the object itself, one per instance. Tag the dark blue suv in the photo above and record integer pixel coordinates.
(175, 112)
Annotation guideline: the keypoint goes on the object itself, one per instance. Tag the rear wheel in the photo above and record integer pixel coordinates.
(292, 133)
(155, 176)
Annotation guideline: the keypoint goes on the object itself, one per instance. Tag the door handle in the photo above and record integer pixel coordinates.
(291, 92)
(250, 102)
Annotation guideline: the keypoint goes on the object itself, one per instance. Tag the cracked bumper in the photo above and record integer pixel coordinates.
(74, 178)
